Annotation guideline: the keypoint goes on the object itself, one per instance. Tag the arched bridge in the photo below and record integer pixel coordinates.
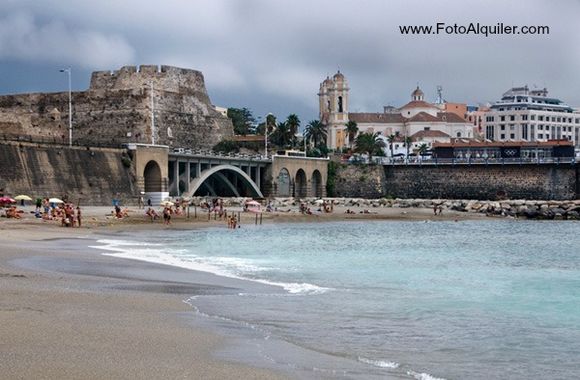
(160, 173)
(246, 176)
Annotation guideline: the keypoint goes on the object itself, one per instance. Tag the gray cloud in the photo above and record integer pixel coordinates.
(271, 55)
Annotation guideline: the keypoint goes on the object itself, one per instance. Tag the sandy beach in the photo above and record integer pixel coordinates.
(66, 311)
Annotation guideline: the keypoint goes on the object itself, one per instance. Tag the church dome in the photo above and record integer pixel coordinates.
(338, 76)
(417, 94)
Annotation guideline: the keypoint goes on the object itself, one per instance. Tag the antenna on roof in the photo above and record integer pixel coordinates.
(439, 94)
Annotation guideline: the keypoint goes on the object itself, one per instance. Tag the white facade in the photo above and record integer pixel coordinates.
(530, 115)
(406, 121)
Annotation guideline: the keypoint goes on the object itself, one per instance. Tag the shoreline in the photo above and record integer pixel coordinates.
(68, 304)
(75, 313)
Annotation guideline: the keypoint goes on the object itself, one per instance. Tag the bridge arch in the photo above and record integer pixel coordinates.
(218, 173)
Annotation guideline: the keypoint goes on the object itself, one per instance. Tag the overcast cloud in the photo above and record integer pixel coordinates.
(271, 55)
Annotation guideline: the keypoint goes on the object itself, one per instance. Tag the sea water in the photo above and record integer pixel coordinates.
(491, 299)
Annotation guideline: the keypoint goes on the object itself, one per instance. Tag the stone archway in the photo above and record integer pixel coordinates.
(317, 184)
(152, 176)
(300, 187)
(283, 182)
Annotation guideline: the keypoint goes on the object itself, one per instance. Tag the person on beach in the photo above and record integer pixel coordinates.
(149, 202)
(79, 223)
(141, 204)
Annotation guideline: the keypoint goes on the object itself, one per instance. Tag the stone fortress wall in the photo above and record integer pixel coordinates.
(116, 109)
(95, 175)
(491, 182)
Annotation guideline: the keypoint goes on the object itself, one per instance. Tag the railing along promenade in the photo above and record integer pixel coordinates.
(474, 161)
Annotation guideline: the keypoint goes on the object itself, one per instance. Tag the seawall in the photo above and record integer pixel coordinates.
(95, 175)
(484, 182)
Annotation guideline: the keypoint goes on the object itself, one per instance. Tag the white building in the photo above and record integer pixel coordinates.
(406, 121)
(530, 115)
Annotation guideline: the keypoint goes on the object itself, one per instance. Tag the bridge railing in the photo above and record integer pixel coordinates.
(473, 161)
(214, 154)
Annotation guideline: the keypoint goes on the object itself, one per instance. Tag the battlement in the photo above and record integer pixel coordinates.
(167, 78)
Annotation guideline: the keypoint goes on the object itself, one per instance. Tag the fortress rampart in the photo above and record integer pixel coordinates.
(117, 109)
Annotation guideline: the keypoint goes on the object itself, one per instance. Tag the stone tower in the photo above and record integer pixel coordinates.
(333, 108)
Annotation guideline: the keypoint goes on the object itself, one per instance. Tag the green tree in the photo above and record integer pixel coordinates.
(242, 120)
(293, 123)
(271, 121)
(351, 129)
(408, 141)
(316, 132)
(369, 143)
(391, 140)
(281, 136)
(423, 148)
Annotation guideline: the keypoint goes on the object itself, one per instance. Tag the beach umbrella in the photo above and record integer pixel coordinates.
(7, 200)
(22, 197)
(319, 201)
(167, 203)
(55, 200)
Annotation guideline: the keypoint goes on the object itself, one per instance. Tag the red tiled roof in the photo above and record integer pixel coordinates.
(451, 117)
(248, 138)
(418, 104)
(376, 117)
(429, 133)
(424, 117)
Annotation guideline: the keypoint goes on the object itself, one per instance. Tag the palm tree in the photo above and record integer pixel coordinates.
(422, 149)
(281, 136)
(391, 140)
(407, 140)
(369, 143)
(293, 123)
(351, 129)
(316, 131)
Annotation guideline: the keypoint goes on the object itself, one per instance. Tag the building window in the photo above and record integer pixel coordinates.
(458, 134)
(502, 127)
(512, 127)
(502, 136)
(489, 132)
(541, 118)
(540, 135)
(426, 128)
(577, 121)
(512, 117)
(490, 118)
(533, 117)
(502, 118)
(340, 104)
(524, 131)
(524, 117)
(512, 136)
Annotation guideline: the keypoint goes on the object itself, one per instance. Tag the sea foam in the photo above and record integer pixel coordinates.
(379, 363)
(220, 266)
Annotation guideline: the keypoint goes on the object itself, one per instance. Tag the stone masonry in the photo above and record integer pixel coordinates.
(116, 109)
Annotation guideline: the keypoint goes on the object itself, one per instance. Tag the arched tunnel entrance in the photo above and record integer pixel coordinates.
(152, 176)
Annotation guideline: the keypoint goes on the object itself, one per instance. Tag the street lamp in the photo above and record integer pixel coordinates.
(68, 71)
(266, 135)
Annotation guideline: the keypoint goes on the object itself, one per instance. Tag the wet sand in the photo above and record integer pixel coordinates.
(69, 314)
(66, 311)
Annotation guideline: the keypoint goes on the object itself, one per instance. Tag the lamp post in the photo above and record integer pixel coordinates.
(68, 71)
(266, 135)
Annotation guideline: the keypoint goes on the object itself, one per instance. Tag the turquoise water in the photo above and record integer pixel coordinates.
(491, 299)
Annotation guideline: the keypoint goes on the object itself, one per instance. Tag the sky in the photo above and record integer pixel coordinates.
(271, 55)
